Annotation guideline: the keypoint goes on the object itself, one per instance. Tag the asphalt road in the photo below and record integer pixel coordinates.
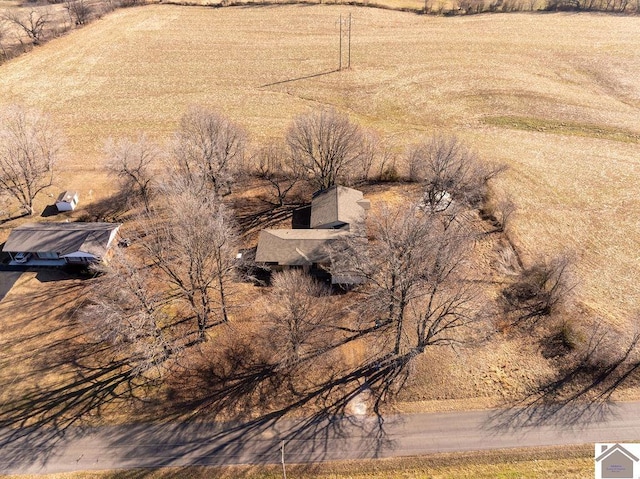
(147, 445)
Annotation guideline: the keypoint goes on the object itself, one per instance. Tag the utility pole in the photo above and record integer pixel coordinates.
(349, 50)
(340, 59)
(345, 32)
(284, 470)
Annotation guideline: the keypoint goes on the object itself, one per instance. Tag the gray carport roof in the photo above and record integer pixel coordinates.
(61, 238)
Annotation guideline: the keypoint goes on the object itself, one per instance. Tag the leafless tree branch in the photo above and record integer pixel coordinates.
(134, 164)
(29, 150)
(327, 146)
(208, 151)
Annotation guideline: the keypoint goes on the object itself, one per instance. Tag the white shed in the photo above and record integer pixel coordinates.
(67, 201)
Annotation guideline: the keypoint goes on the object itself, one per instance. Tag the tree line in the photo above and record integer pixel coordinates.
(209, 154)
(474, 7)
(24, 27)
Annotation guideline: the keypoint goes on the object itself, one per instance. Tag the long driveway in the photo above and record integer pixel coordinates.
(180, 444)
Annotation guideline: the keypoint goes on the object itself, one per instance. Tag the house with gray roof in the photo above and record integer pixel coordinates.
(337, 207)
(332, 215)
(57, 244)
(295, 247)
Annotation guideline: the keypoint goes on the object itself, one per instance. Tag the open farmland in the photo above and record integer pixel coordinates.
(555, 97)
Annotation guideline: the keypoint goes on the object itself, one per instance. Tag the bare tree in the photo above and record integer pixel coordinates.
(386, 164)
(415, 291)
(195, 248)
(275, 165)
(498, 212)
(3, 35)
(128, 3)
(127, 310)
(538, 291)
(134, 164)
(327, 146)
(298, 315)
(373, 152)
(209, 151)
(29, 150)
(32, 23)
(416, 294)
(80, 11)
(449, 170)
(503, 212)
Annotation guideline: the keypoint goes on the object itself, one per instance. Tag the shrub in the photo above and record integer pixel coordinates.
(537, 292)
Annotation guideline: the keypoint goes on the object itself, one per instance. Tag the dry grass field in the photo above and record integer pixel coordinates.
(553, 96)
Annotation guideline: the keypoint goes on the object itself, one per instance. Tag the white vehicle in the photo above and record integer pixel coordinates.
(22, 257)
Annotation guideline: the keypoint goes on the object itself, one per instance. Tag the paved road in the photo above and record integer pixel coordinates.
(38, 451)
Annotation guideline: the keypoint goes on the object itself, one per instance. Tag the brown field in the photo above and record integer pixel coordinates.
(554, 96)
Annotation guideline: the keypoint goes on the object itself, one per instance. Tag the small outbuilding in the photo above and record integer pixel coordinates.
(67, 201)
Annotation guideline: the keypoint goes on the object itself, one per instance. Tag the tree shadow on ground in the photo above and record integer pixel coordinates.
(314, 423)
(259, 441)
(249, 406)
(11, 218)
(41, 417)
(324, 432)
(49, 376)
(112, 208)
(579, 394)
(256, 214)
(7, 280)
